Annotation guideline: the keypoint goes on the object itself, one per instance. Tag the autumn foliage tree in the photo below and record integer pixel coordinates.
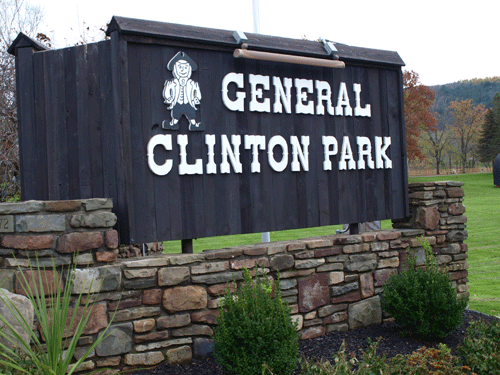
(466, 123)
(418, 100)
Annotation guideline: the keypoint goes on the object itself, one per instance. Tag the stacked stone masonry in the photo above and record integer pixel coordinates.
(165, 307)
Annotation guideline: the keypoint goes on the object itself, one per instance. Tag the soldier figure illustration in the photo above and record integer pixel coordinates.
(182, 94)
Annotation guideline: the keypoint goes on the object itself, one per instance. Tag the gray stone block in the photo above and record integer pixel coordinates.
(97, 204)
(179, 356)
(343, 289)
(7, 279)
(118, 342)
(365, 313)
(282, 262)
(308, 263)
(361, 262)
(94, 220)
(7, 224)
(288, 284)
(92, 280)
(21, 207)
(10, 301)
(172, 275)
(41, 223)
(217, 278)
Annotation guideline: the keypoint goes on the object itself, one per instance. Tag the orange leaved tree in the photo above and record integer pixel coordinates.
(418, 101)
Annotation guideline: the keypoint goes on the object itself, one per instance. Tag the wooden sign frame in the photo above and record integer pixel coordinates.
(191, 141)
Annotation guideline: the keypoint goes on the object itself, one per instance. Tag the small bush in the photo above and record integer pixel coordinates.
(481, 347)
(370, 363)
(437, 361)
(255, 328)
(341, 365)
(422, 301)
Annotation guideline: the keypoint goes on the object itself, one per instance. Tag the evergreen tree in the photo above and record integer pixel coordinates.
(489, 141)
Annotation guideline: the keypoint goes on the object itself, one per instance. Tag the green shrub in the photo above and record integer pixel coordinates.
(51, 352)
(370, 364)
(255, 328)
(437, 361)
(341, 365)
(422, 300)
(480, 349)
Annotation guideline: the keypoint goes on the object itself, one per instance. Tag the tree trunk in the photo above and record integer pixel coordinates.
(438, 158)
(464, 156)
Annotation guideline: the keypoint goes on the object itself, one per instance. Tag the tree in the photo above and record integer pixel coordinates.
(418, 101)
(489, 140)
(466, 123)
(15, 16)
(436, 142)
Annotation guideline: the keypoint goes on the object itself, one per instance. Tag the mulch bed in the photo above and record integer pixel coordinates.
(326, 346)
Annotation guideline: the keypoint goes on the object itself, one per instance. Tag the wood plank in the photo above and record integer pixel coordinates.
(147, 216)
(404, 208)
(56, 133)
(51, 145)
(83, 122)
(396, 118)
(95, 121)
(378, 189)
(209, 115)
(26, 120)
(59, 108)
(134, 136)
(119, 71)
(109, 141)
(158, 112)
(71, 112)
(173, 189)
(40, 172)
(126, 151)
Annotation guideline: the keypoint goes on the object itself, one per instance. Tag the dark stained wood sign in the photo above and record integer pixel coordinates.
(191, 141)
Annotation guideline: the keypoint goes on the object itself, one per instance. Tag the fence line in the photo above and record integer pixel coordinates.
(413, 172)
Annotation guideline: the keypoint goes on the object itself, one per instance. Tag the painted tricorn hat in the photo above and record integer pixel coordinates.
(181, 56)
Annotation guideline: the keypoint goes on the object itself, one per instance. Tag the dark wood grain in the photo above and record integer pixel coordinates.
(90, 111)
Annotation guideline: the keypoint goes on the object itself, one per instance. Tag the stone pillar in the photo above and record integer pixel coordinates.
(438, 209)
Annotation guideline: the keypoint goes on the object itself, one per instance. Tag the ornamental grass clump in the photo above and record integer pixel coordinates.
(422, 300)
(51, 352)
(255, 331)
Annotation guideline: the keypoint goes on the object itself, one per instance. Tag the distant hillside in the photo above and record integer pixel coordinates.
(481, 91)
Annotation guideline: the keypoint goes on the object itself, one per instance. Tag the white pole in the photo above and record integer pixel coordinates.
(266, 236)
(256, 16)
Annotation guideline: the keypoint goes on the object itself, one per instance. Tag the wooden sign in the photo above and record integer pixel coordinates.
(193, 135)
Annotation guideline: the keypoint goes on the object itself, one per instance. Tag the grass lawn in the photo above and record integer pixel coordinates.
(482, 201)
(172, 247)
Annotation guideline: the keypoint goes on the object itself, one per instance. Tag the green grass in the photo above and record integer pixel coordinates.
(221, 242)
(482, 203)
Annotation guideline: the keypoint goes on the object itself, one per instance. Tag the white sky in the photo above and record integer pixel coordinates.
(442, 40)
